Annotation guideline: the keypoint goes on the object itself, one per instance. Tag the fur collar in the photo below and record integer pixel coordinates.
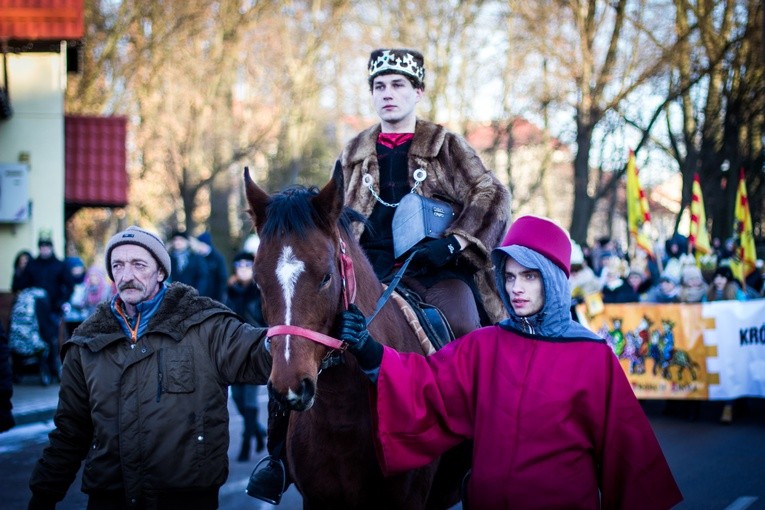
(427, 141)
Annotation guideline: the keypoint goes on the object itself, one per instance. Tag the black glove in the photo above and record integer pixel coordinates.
(438, 252)
(354, 332)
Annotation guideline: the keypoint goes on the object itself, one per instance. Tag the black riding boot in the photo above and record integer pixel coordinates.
(269, 479)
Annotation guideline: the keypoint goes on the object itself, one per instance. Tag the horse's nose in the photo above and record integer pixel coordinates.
(299, 399)
(307, 392)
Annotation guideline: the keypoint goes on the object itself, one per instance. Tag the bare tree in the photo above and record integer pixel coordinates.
(722, 116)
(604, 54)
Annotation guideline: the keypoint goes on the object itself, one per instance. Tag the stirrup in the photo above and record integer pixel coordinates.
(266, 484)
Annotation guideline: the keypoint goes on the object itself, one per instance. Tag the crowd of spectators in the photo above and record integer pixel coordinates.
(671, 277)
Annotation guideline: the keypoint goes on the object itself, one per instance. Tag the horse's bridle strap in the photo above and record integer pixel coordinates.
(315, 336)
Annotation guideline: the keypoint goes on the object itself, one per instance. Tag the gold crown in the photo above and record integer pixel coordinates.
(397, 61)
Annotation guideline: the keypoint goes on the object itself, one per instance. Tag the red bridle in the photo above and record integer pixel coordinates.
(348, 279)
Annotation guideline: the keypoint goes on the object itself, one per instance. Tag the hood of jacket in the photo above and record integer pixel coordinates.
(554, 320)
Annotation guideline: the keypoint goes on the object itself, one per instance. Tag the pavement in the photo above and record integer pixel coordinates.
(33, 402)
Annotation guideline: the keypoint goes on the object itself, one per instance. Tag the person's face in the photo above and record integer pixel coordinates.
(666, 286)
(180, 243)
(94, 278)
(720, 282)
(524, 287)
(23, 261)
(46, 251)
(635, 280)
(243, 270)
(136, 274)
(394, 99)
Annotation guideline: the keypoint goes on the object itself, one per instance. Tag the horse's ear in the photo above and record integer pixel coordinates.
(330, 200)
(257, 198)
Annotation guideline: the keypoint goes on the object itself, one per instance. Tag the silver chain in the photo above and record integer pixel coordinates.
(419, 176)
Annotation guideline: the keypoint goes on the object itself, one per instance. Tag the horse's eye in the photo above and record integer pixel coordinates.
(325, 280)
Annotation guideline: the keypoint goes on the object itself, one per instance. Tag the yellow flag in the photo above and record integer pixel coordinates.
(699, 237)
(744, 255)
(637, 208)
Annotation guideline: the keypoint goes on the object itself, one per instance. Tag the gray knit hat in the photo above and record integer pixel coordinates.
(144, 239)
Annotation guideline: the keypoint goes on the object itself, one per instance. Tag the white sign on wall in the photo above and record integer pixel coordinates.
(14, 193)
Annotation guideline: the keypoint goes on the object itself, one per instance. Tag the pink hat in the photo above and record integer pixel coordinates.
(544, 237)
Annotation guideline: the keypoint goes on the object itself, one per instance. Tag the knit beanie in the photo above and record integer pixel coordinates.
(410, 63)
(540, 235)
(143, 238)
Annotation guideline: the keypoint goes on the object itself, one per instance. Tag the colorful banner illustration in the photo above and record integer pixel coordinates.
(709, 351)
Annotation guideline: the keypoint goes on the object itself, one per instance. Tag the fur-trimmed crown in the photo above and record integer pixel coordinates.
(407, 62)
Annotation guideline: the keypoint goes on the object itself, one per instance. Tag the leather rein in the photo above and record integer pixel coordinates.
(348, 279)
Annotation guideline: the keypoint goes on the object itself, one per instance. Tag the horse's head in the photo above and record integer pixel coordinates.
(300, 270)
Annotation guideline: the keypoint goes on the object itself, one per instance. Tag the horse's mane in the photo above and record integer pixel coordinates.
(291, 212)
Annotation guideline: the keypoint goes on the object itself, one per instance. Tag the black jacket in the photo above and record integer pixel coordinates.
(50, 274)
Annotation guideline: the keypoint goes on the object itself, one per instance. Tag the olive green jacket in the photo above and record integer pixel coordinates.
(151, 417)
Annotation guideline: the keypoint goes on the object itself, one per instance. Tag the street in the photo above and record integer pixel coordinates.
(717, 467)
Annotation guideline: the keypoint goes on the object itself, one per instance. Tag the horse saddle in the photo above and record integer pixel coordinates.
(416, 218)
(432, 320)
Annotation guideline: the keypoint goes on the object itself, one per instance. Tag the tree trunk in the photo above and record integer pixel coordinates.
(584, 205)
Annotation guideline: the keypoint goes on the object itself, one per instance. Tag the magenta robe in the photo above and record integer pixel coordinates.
(553, 421)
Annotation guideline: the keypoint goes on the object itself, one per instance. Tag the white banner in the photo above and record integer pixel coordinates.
(735, 331)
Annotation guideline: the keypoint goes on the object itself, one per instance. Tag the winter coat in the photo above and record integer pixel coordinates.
(622, 293)
(32, 330)
(554, 420)
(194, 272)
(217, 276)
(50, 274)
(6, 384)
(455, 174)
(150, 418)
(245, 300)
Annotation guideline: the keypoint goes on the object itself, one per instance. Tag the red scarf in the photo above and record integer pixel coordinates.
(392, 140)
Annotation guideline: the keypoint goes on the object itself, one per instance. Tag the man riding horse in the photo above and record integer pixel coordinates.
(403, 155)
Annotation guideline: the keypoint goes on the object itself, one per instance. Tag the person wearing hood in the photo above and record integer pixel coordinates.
(552, 415)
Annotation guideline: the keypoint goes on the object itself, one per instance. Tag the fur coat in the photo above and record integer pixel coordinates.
(455, 174)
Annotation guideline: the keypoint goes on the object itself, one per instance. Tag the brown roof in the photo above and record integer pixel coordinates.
(484, 136)
(96, 161)
(38, 20)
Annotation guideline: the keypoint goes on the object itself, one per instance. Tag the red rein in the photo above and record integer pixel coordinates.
(348, 277)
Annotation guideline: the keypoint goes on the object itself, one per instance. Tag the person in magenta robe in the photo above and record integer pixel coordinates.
(553, 418)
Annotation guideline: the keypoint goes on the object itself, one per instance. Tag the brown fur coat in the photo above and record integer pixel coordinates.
(455, 174)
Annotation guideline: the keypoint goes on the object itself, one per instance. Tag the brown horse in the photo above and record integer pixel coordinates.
(308, 265)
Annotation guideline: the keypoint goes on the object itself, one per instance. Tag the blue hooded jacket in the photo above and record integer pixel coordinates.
(554, 320)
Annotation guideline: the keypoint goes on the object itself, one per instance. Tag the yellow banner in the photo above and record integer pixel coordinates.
(660, 347)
